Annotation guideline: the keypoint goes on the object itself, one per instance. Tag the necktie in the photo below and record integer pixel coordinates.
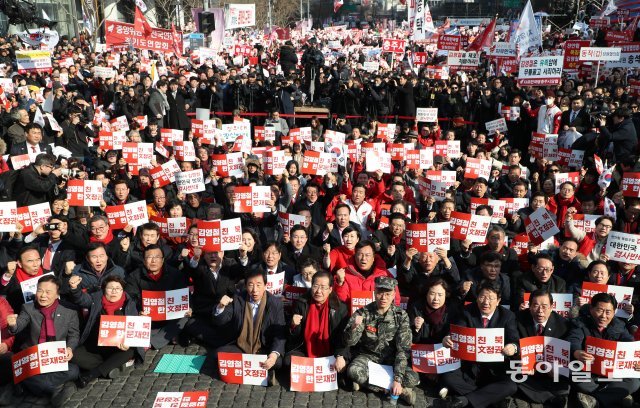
(540, 329)
(33, 149)
(297, 254)
(48, 256)
(573, 116)
(485, 322)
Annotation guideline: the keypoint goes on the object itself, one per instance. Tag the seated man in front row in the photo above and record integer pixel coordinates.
(257, 320)
(380, 333)
(599, 321)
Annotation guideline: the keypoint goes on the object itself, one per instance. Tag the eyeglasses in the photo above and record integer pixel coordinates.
(544, 269)
(116, 290)
(98, 228)
(605, 226)
(320, 287)
(487, 298)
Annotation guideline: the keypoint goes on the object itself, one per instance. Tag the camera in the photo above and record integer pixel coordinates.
(50, 227)
(70, 173)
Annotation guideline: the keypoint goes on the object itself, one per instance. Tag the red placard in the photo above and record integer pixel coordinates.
(393, 45)
(416, 236)
(361, 298)
(169, 136)
(467, 226)
(631, 184)
(242, 49)
(572, 53)
(481, 345)
(604, 353)
(419, 58)
(124, 35)
(619, 36)
(220, 235)
(84, 192)
(236, 368)
(291, 294)
(477, 168)
(449, 42)
(163, 305)
(186, 399)
(313, 374)
(32, 215)
(226, 165)
(39, 359)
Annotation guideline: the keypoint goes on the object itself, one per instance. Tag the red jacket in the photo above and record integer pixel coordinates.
(354, 280)
(5, 310)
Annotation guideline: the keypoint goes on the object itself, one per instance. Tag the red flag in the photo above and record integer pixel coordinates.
(633, 26)
(337, 4)
(141, 23)
(175, 41)
(484, 39)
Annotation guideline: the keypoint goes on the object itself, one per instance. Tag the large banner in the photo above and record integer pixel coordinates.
(36, 61)
(124, 35)
(540, 71)
(240, 15)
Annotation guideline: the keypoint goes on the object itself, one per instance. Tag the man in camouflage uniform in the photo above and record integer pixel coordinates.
(380, 333)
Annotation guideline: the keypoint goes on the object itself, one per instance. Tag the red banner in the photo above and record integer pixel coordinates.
(218, 235)
(572, 53)
(449, 42)
(393, 45)
(631, 185)
(124, 35)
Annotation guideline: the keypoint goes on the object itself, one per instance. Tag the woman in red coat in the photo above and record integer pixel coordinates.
(561, 202)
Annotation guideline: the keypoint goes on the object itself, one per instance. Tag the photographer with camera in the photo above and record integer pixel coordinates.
(312, 60)
(620, 136)
(75, 134)
(37, 183)
(48, 238)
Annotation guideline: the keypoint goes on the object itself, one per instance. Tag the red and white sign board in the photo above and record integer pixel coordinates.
(184, 151)
(481, 345)
(33, 215)
(291, 294)
(252, 199)
(573, 177)
(469, 226)
(572, 53)
(288, 220)
(181, 399)
(275, 284)
(600, 53)
(8, 216)
(477, 168)
(313, 374)
(119, 123)
(140, 154)
(393, 45)
(432, 359)
(225, 235)
(429, 115)
(316, 162)
(631, 184)
(510, 113)
(134, 214)
(124, 36)
(515, 204)
(499, 207)
(165, 305)
(540, 226)
(540, 71)
(447, 148)
(237, 368)
(190, 181)
(462, 60)
(623, 295)
(165, 173)
(132, 331)
(84, 192)
(562, 303)
(498, 125)
(112, 140)
(428, 237)
(538, 349)
(172, 227)
(613, 359)
(228, 164)
(623, 247)
(585, 222)
(274, 162)
(361, 298)
(375, 161)
(170, 136)
(43, 358)
(23, 160)
(419, 159)
(448, 42)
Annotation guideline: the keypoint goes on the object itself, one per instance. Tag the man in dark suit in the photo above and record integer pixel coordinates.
(575, 119)
(255, 308)
(177, 108)
(54, 251)
(599, 321)
(483, 384)
(541, 276)
(33, 143)
(211, 281)
(62, 325)
(541, 320)
(299, 248)
(271, 264)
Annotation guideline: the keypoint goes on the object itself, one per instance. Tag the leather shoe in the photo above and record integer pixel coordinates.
(458, 402)
(84, 380)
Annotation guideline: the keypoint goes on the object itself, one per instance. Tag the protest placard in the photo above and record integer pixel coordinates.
(184, 151)
(470, 227)
(191, 181)
(225, 235)
(112, 140)
(429, 115)
(84, 192)
(481, 345)
(226, 165)
(29, 287)
(499, 207)
(361, 298)
(8, 216)
(498, 125)
(274, 162)
(540, 71)
(543, 349)
(432, 359)
(132, 331)
(33, 215)
(428, 237)
(623, 247)
(49, 357)
(185, 399)
(275, 283)
(237, 368)
(613, 359)
(165, 174)
(623, 295)
(540, 225)
(313, 374)
(252, 199)
(288, 220)
(562, 303)
(134, 214)
(477, 168)
(165, 305)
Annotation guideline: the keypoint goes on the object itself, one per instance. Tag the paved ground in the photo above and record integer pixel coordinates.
(140, 386)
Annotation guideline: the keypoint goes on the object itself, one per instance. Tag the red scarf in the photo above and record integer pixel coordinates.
(434, 318)
(156, 277)
(48, 329)
(316, 331)
(22, 276)
(106, 240)
(396, 240)
(111, 307)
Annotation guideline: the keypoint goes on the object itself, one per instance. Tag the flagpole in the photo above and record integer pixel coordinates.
(595, 85)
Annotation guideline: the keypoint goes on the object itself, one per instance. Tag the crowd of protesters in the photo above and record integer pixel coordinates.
(354, 235)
